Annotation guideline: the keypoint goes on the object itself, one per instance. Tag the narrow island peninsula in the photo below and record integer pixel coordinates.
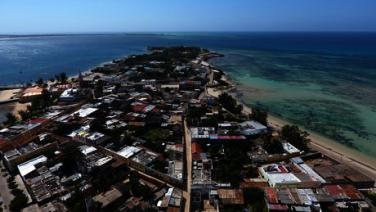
(162, 131)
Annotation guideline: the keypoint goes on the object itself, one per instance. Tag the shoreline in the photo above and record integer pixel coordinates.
(7, 95)
(329, 147)
(10, 104)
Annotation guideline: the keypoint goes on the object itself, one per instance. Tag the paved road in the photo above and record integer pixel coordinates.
(188, 150)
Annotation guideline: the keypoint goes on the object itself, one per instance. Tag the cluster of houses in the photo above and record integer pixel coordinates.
(110, 141)
(291, 181)
(116, 140)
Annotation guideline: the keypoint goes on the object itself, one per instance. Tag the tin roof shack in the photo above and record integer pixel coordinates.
(346, 197)
(92, 159)
(340, 173)
(258, 155)
(78, 117)
(129, 151)
(252, 128)
(39, 145)
(69, 95)
(172, 200)
(201, 133)
(175, 149)
(345, 193)
(53, 206)
(208, 134)
(85, 135)
(231, 198)
(254, 183)
(136, 203)
(109, 199)
(175, 169)
(353, 206)
(42, 182)
(272, 200)
(227, 132)
(145, 157)
(20, 134)
(202, 168)
(292, 200)
(305, 172)
(290, 149)
(191, 84)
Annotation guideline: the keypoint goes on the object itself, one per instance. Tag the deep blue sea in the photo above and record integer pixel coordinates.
(25, 58)
(325, 82)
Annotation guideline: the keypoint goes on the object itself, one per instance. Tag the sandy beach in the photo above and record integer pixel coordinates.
(6, 95)
(12, 107)
(328, 147)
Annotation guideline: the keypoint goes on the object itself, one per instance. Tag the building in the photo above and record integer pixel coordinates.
(172, 200)
(175, 169)
(290, 149)
(230, 197)
(291, 200)
(339, 173)
(108, 198)
(128, 151)
(85, 135)
(37, 146)
(69, 95)
(278, 176)
(198, 133)
(40, 180)
(30, 165)
(251, 128)
(30, 93)
(295, 174)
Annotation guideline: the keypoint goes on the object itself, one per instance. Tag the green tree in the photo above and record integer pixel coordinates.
(19, 201)
(229, 169)
(372, 197)
(24, 114)
(62, 77)
(273, 145)
(259, 115)
(138, 189)
(230, 104)
(255, 199)
(10, 179)
(40, 82)
(295, 136)
(194, 115)
(97, 125)
(11, 119)
(157, 135)
(12, 185)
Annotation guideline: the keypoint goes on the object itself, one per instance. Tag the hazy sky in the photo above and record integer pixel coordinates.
(59, 16)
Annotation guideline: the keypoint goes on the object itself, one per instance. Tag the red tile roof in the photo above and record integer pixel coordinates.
(271, 195)
(37, 120)
(196, 148)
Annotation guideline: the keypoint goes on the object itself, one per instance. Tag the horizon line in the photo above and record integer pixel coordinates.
(170, 32)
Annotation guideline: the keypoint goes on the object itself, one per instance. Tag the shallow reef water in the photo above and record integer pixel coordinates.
(334, 95)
